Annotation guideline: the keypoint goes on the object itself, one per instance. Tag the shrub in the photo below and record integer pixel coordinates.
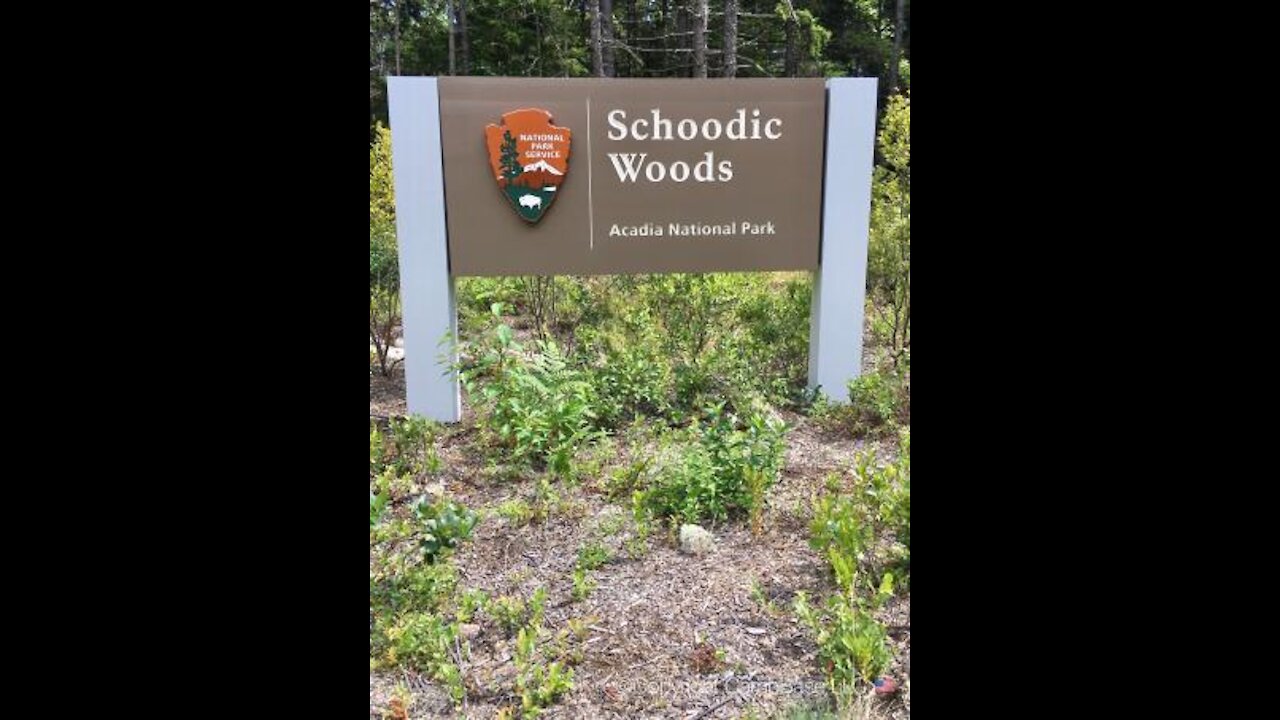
(538, 406)
(425, 641)
(384, 264)
(708, 478)
(377, 506)
(776, 320)
(413, 442)
(538, 683)
(631, 381)
(851, 643)
(377, 449)
(445, 524)
(592, 556)
(839, 532)
(889, 246)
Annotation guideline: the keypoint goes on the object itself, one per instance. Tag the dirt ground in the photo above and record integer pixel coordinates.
(647, 614)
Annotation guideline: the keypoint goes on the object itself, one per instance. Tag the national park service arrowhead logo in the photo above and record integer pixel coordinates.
(530, 160)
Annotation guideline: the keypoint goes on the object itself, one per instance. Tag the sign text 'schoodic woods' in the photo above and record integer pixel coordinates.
(550, 176)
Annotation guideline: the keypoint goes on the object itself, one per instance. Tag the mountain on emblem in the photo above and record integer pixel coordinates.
(529, 158)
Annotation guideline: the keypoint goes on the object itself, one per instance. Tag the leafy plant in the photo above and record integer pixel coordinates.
(839, 531)
(583, 585)
(384, 265)
(509, 612)
(878, 399)
(757, 485)
(516, 511)
(471, 602)
(445, 524)
(424, 641)
(631, 381)
(377, 506)
(592, 556)
(850, 640)
(889, 245)
(377, 449)
(709, 476)
(538, 406)
(539, 684)
(413, 441)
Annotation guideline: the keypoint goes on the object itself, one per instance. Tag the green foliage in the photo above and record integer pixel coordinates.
(384, 265)
(709, 476)
(592, 556)
(839, 532)
(402, 585)
(509, 612)
(444, 525)
(632, 381)
(516, 511)
(776, 343)
(539, 684)
(582, 584)
(425, 641)
(377, 506)
(407, 601)
(537, 405)
(413, 443)
(874, 397)
(879, 402)
(851, 643)
(512, 613)
(377, 449)
(758, 482)
(889, 246)
(888, 490)
(471, 602)
(845, 524)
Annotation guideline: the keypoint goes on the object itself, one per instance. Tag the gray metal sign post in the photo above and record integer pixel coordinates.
(840, 284)
(426, 287)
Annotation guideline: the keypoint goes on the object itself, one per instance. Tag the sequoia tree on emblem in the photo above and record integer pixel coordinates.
(530, 160)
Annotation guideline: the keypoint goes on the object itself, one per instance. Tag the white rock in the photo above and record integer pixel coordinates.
(696, 541)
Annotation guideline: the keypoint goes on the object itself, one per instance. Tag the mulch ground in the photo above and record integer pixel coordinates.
(648, 615)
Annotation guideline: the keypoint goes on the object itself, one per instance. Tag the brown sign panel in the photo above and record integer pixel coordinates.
(665, 175)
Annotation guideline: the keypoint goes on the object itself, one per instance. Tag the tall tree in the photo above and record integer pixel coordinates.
(897, 47)
(700, 38)
(791, 62)
(462, 34)
(597, 54)
(730, 38)
(448, 18)
(397, 33)
(606, 38)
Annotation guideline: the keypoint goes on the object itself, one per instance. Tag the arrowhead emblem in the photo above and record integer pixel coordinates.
(529, 158)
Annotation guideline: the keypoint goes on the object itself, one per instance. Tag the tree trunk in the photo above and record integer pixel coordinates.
(449, 18)
(466, 41)
(791, 66)
(397, 32)
(633, 28)
(730, 38)
(897, 49)
(606, 38)
(700, 38)
(597, 57)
